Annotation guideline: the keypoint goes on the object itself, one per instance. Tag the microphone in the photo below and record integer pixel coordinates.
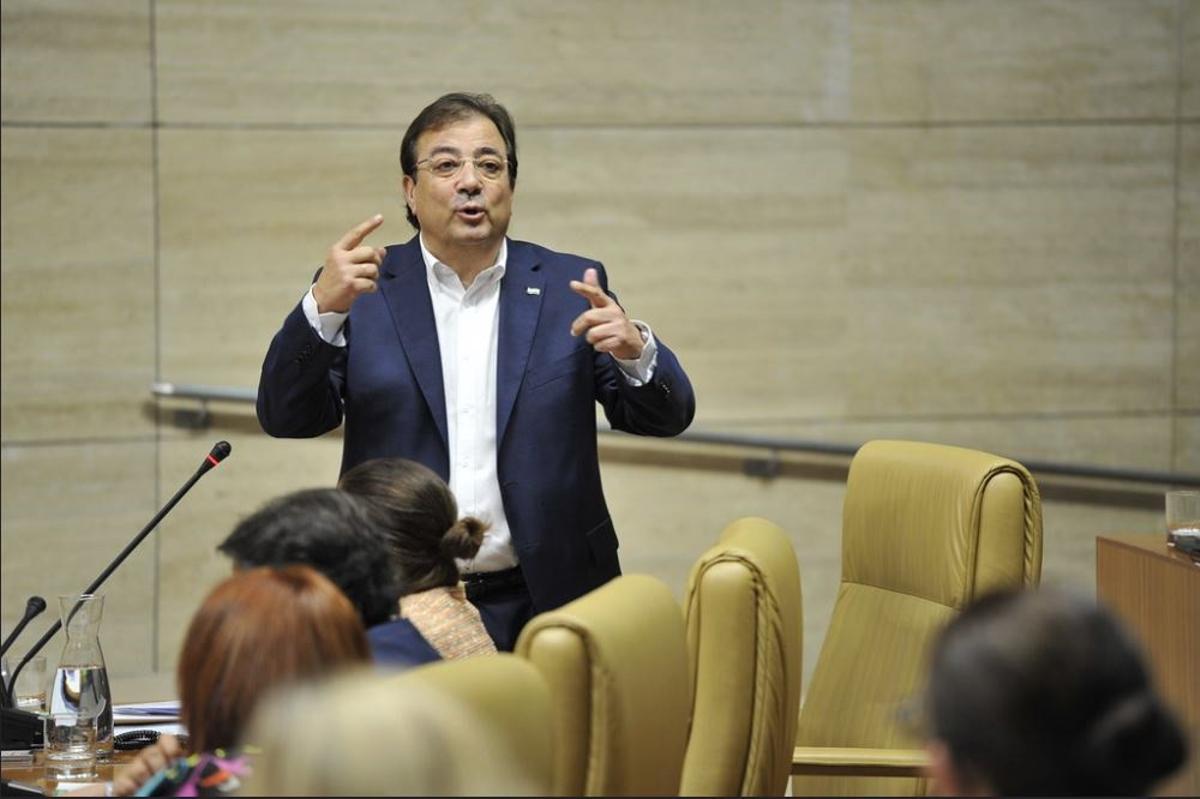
(34, 606)
(218, 453)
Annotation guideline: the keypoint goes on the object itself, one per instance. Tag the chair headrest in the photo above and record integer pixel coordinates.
(929, 519)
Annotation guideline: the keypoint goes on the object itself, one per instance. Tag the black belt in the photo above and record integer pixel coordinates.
(490, 581)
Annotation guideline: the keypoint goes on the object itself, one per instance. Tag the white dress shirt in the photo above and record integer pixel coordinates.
(467, 319)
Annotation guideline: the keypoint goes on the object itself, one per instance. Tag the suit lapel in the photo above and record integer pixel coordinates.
(405, 287)
(521, 293)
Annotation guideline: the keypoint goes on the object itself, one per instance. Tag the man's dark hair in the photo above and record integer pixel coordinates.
(333, 533)
(446, 110)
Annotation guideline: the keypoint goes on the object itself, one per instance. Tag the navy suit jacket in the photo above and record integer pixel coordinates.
(387, 385)
(399, 643)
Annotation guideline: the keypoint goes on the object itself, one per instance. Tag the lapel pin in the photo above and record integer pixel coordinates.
(533, 290)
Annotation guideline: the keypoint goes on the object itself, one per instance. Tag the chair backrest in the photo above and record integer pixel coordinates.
(925, 529)
(616, 665)
(470, 727)
(506, 693)
(744, 624)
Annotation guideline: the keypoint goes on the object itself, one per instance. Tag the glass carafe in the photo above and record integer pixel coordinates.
(81, 680)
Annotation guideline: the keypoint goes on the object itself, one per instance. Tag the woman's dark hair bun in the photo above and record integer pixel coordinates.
(1134, 743)
(464, 538)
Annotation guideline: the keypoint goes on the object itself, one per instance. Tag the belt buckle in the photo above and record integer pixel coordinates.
(476, 578)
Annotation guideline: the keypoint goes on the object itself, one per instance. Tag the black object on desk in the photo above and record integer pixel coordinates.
(135, 739)
(20, 729)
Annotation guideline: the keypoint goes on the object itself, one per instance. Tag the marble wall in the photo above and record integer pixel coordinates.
(975, 223)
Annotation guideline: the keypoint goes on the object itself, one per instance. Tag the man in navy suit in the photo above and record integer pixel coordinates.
(481, 358)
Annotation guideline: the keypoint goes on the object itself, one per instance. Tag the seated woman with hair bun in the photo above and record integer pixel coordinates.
(1044, 694)
(416, 510)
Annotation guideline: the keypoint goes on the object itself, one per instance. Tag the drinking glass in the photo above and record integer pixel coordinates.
(30, 691)
(1183, 518)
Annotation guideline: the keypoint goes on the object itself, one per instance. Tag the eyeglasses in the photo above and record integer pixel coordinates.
(488, 167)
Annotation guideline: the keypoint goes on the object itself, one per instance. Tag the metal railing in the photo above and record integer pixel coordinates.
(759, 467)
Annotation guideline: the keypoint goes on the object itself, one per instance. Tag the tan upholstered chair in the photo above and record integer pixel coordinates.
(925, 529)
(505, 692)
(744, 623)
(616, 664)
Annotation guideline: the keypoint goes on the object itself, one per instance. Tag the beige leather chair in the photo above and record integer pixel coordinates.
(744, 623)
(925, 529)
(504, 692)
(473, 727)
(616, 664)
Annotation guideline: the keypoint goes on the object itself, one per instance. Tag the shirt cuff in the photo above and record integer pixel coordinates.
(638, 371)
(327, 325)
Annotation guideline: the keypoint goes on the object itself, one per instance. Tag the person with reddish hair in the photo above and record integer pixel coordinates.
(258, 630)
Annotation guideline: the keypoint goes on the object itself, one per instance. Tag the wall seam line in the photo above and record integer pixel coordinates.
(158, 425)
(1172, 367)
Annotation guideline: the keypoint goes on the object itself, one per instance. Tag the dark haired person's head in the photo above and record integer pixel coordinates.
(255, 631)
(418, 514)
(448, 110)
(330, 531)
(1038, 693)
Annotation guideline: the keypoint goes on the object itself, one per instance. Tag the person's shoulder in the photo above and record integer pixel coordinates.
(553, 259)
(393, 630)
(399, 643)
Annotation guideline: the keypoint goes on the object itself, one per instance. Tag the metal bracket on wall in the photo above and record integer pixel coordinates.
(767, 468)
(200, 418)
(192, 418)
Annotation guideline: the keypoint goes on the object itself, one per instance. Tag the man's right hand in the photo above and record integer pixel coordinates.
(351, 269)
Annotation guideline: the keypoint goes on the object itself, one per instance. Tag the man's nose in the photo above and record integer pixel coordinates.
(468, 177)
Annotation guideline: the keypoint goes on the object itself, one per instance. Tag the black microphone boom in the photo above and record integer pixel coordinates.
(33, 606)
(218, 453)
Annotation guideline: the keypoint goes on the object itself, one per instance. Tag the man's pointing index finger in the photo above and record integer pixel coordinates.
(356, 234)
(589, 289)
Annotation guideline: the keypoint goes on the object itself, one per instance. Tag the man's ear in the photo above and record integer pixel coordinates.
(408, 185)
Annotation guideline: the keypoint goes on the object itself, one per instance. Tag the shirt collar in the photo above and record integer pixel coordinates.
(439, 272)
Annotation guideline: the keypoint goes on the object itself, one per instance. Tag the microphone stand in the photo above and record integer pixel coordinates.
(33, 608)
(218, 454)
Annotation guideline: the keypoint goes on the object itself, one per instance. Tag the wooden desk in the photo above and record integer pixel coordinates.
(1156, 592)
(35, 773)
(157, 684)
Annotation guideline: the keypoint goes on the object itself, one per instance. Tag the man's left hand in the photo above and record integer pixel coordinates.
(607, 327)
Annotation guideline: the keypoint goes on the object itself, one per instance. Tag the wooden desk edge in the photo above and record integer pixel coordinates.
(1153, 544)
